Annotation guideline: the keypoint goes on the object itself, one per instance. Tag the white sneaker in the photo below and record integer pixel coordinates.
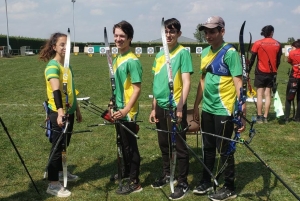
(58, 190)
(71, 177)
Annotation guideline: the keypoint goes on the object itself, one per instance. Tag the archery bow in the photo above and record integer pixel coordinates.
(171, 112)
(105, 115)
(271, 170)
(22, 161)
(65, 91)
(186, 144)
(251, 92)
(243, 60)
(242, 98)
(246, 143)
(237, 121)
(112, 107)
(73, 132)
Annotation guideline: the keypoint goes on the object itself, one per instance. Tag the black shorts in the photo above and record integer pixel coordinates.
(263, 80)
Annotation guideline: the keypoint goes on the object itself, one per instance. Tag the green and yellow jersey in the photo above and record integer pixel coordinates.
(219, 95)
(56, 70)
(128, 70)
(181, 62)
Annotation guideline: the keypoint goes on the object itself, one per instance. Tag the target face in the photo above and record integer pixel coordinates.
(198, 50)
(287, 48)
(102, 50)
(90, 50)
(114, 50)
(188, 49)
(138, 50)
(150, 50)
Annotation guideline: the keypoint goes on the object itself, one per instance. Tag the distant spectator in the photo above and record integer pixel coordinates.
(292, 88)
(268, 52)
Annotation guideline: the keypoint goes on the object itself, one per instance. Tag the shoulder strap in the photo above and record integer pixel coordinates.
(218, 66)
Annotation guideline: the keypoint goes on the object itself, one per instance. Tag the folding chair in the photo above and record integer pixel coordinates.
(194, 128)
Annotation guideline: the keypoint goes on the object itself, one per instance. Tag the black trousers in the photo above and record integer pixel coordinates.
(223, 126)
(55, 164)
(164, 141)
(130, 150)
(288, 101)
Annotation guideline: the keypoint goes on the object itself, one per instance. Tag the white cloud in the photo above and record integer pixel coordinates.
(22, 6)
(267, 4)
(296, 10)
(280, 21)
(246, 6)
(261, 5)
(18, 7)
(197, 8)
(96, 11)
(21, 16)
(156, 7)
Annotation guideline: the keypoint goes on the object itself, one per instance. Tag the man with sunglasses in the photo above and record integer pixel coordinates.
(181, 64)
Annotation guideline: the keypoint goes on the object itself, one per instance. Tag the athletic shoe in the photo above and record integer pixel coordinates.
(162, 182)
(203, 188)
(259, 119)
(179, 191)
(130, 187)
(71, 177)
(58, 190)
(265, 119)
(286, 120)
(223, 194)
(296, 119)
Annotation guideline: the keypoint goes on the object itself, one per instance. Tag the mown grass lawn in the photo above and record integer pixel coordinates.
(92, 156)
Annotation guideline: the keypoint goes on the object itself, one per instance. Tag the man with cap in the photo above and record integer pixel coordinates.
(219, 90)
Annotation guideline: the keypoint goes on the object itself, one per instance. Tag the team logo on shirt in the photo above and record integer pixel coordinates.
(223, 70)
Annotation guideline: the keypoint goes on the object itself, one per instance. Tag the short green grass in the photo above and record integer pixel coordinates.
(92, 156)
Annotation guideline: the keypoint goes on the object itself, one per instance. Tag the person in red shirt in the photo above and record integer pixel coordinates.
(268, 52)
(292, 87)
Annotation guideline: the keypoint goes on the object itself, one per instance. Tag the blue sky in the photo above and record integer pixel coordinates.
(41, 18)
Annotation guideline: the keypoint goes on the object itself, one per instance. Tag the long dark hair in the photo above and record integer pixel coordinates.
(267, 31)
(47, 52)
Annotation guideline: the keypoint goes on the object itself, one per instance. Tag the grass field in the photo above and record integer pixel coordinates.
(92, 156)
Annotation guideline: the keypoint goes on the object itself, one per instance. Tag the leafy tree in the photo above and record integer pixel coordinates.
(199, 35)
(291, 40)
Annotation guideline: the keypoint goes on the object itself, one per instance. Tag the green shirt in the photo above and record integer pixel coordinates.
(56, 70)
(219, 95)
(181, 62)
(128, 70)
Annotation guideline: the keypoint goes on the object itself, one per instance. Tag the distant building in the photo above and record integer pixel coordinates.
(181, 39)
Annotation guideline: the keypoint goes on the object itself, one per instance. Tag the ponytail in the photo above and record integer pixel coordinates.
(267, 31)
(47, 52)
